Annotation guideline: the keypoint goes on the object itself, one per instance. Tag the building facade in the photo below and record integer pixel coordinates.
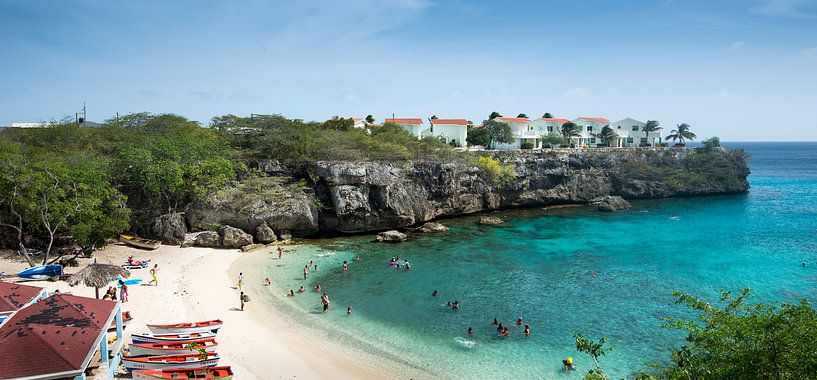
(452, 131)
(414, 126)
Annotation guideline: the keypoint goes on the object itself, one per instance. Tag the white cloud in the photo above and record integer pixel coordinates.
(737, 45)
(785, 8)
(576, 93)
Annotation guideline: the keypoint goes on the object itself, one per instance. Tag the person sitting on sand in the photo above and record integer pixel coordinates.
(318, 288)
(291, 293)
(301, 289)
(267, 282)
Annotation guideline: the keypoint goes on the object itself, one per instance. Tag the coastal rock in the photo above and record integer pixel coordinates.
(286, 236)
(189, 239)
(232, 237)
(210, 239)
(392, 236)
(169, 228)
(489, 220)
(432, 227)
(252, 247)
(265, 234)
(613, 203)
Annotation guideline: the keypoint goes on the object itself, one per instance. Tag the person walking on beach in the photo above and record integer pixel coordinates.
(280, 251)
(154, 272)
(325, 302)
(240, 280)
(241, 299)
(123, 291)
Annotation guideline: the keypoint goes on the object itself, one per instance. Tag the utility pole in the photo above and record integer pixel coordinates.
(84, 115)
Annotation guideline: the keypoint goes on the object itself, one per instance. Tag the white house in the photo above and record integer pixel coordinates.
(590, 126)
(634, 135)
(519, 127)
(545, 126)
(360, 122)
(411, 125)
(452, 130)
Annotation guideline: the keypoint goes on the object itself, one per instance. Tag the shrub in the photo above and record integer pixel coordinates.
(498, 173)
(526, 145)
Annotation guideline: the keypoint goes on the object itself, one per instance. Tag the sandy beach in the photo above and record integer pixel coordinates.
(196, 284)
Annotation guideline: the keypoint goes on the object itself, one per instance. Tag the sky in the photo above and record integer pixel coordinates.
(743, 70)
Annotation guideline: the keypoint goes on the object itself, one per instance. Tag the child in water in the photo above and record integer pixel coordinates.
(527, 329)
(470, 331)
(349, 310)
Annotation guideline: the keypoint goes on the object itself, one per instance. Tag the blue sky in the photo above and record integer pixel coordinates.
(741, 70)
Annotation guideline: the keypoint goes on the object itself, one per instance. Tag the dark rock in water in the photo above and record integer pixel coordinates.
(169, 228)
(232, 237)
(432, 227)
(489, 220)
(613, 203)
(265, 234)
(391, 236)
(210, 239)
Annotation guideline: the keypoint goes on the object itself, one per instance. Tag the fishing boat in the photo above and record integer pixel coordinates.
(215, 373)
(170, 361)
(170, 338)
(186, 328)
(173, 348)
(41, 272)
(138, 242)
(126, 318)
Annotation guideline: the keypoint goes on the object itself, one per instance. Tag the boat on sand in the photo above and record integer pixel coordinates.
(170, 338)
(170, 361)
(173, 348)
(138, 242)
(42, 272)
(215, 373)
(187, 327)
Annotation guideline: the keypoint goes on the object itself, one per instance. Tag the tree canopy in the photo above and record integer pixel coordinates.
(570, 130)
(499, 132)
(547, 115)
(681, 133)
(494, 115)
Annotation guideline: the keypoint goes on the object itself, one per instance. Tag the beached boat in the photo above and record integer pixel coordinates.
(139, 242)
(126, 318)
(186, 328)
(174, 348)
(41, 272)
(170, 361)
(170, 338)
(215, 373)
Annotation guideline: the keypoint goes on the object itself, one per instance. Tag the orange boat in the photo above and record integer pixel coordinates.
(170, 348)
(170, 361)
(186, 328)
(220, 373)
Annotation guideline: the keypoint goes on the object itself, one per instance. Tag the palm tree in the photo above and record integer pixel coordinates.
(522, 115)
(681, 133)
(607, 135)
(650, 127)
(547, 115)
(494, 115)
(570, 130)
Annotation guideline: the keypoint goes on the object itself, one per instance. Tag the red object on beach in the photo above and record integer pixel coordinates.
(219, 373)
(170, 361)
(170, 348)
(189, 327)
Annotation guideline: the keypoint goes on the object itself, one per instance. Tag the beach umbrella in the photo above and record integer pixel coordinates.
(98, 275)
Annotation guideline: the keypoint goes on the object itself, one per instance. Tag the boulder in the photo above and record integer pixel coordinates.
(169, 228)
(392, 236)
(613, 203)
(232, 237)
(489, 220)
(432, 227)
(207, 239)
(265, 234)
(286, 235)
(252, 247)
(189, 239)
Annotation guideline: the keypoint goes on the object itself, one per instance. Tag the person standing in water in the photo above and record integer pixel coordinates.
(306, 271)
(349, 310)
(470, 331)
(345, 266)
(280, 251)
(325, 302)
(527, 329)
(154, 272)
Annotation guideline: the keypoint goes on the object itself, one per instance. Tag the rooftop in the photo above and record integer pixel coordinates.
(14, 296)
(598, 119)
(518, 120)
(450, 121)
(412, 121)
(554, 120)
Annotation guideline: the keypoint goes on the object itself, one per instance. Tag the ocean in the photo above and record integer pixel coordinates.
(562, 271)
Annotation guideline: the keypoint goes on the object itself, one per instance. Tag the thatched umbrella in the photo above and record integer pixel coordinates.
(98, 275)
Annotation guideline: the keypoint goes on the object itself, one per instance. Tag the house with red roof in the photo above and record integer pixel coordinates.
(61, 337)
(14, 297)
(414, 126)
(631, 133)
(545, 126)
(520, 126)
(452, 131)
(590, 127)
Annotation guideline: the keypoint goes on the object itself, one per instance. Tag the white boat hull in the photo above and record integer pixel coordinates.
(131, 365)
(158, 338)
(136, 375)
(145, 351)
(183, 330)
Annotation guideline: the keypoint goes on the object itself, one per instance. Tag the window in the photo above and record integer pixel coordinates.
(643, 140)
(629, 140)
(635, 127)
(619, 127)
(589, 128)
(550, 128)
(593, 140)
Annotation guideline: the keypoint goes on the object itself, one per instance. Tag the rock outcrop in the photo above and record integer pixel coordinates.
(391, 236)
(232, 237)
(265, 234)
(432, 228)
(169, 228)
(613, 203)
(489, 220)
(210, 239)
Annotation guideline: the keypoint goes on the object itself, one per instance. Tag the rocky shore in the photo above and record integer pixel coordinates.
(355, 197)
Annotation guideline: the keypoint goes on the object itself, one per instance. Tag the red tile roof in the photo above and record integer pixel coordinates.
(598, 119)
(555, 120)
(14, 296)
(412, 121)
(450, 121)
(518, 120)
(356, 119)
(55, 335)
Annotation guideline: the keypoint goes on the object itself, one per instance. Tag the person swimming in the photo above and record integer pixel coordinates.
(496, 322)
(291, 293)
(349, 310)
(317, 288)
(455, 305)
(568, 364)
(357, 258)
(470, 331)
(407, 265)
(434, 293)
(519, 321)
(301, 289)
(527, 329)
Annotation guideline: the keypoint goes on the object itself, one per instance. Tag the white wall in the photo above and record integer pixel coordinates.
(458, 133)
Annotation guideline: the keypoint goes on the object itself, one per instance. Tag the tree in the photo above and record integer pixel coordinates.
(338, 124)
(434, 117)
(494, 115)
(739, 340)
(595, 350)
(570, 130)
(607, 135)
(681, 133)
(650, 127)
(499, 132)
(369, 119)
(522, 115)
(712, 143)
(547, 115)
(479, 136)
(553, 139)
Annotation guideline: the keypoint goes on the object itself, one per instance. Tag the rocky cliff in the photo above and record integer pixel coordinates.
(353, 197)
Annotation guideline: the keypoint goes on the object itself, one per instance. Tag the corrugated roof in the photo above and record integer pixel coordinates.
(54, 335)
(14, 296)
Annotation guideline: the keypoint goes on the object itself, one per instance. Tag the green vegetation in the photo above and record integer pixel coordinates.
(522, 115)
(569, 131)
(553, 139)
(547, 115)
(497, 172)
(697, 167)
(712, 143)
(681, 134)
(607, 135)
(494, 115)
(650, 127)
(595, 350)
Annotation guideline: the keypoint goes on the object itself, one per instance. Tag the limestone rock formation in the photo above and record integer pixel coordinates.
(265, 234)
(489, 220)
(232, 237)
(613, 203)
(169, 228)
(209, 239)
(392, 236)
(432, 227)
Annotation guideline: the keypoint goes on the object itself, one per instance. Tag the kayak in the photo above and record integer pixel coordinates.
(41, 272)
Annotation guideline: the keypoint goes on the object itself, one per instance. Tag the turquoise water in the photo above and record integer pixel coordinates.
(540, 266)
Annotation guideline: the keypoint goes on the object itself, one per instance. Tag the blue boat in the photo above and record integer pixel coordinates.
(41, 272)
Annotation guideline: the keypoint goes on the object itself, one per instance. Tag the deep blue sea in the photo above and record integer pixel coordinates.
(565, 271)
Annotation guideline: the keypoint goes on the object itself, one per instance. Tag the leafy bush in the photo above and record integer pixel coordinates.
(526, 145)
(498, 173)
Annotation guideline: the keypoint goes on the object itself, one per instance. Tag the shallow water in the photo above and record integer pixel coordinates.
(567, 270)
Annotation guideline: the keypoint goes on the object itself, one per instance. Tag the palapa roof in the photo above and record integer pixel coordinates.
(57, 335)
(14, 296)
(98, 275)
